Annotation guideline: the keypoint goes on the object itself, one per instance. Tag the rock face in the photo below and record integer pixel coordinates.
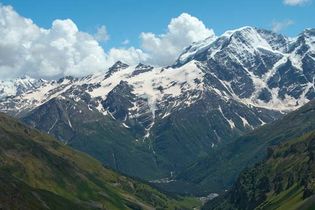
(216, 91)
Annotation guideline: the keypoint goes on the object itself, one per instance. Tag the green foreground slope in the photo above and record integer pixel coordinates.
(284, 181)
(15, 194)
(42, 173)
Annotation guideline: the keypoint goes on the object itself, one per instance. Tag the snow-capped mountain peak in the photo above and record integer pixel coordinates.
(308, 37)
(19, 86)
(118, 66)
(243, 40)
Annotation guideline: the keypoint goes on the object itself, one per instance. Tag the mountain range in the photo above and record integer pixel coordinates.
(161, 123)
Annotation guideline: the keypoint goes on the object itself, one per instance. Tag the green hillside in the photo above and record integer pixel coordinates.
(284, 181)
(42, 173)
(220, 168)
(100, 136)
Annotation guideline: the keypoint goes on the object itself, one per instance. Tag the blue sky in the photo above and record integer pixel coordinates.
(126, 19)
(54, 38)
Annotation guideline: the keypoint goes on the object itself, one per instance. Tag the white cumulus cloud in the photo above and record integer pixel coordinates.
(131, 56)
(295, 2)
(62, 49)
(181, 32)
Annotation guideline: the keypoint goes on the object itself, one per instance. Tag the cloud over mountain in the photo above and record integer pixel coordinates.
(181, 32)
(27, 49)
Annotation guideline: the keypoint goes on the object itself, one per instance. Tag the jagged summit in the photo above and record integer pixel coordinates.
(69, 78)
(118, 65)
(142, 68)
(247, 39)
(229, 33)
(309, 31)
